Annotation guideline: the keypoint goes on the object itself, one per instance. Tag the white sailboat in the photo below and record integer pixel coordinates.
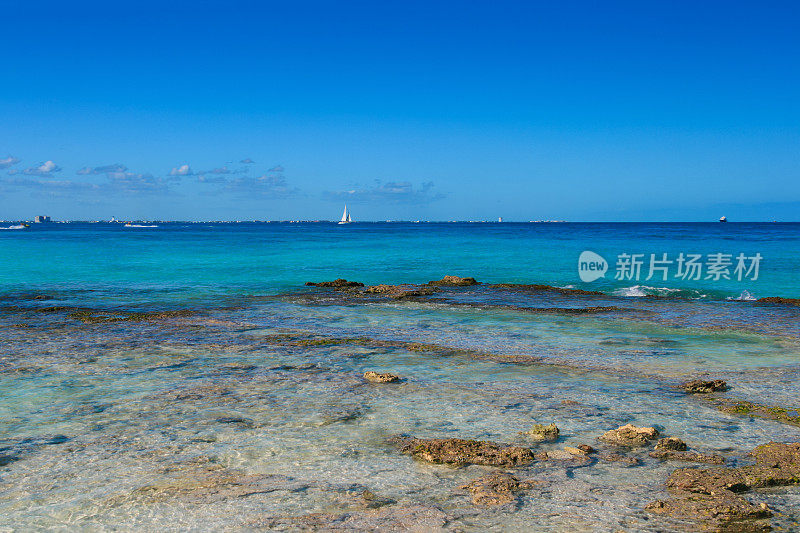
(345, 216)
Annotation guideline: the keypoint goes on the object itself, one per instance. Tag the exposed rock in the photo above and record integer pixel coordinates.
(585, 448)
(671, 443)
(454, 281)
(692, 457)
(785, 415)
(712, 494)
(460, 452)
(337, 283)
(495, 489)
(575, 451)
(374, 377)
(779, 300)
(630, 435)
(619, 458)
(699, 386)
(400, 291)
(543, 433)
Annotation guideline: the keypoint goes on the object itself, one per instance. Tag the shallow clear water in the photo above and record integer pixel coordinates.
(228, 418)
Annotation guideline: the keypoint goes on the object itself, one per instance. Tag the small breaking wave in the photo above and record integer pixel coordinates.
(640, 291)
(746, 296)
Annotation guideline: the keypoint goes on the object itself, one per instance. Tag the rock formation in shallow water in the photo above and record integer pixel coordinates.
(713, 494)
(337, 283)
(630, 435)
(497, 488)
(399, 292)
(454, 281)
(461, 452)
(543, 433)
(699, 386)
(374, 377)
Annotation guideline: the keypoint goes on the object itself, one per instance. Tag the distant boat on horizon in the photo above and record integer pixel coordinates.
(17, 226)
(723, 219)
(345, 216)
(129, 225)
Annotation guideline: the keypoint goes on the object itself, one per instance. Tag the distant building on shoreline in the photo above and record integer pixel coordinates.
(42, 219)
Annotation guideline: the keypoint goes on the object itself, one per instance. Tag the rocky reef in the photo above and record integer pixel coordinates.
(699, 386)
(453, 281)
(462, 452)
(337, 283)
(374, 377)
(541, 432)
(713, 494)
(630, 436)
(785, 415)
(497, 488)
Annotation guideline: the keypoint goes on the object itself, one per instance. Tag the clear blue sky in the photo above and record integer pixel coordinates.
(406, 110)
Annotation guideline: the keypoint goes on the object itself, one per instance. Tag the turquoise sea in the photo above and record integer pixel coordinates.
(184, 377)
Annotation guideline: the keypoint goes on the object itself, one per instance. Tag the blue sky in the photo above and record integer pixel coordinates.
(405, 110)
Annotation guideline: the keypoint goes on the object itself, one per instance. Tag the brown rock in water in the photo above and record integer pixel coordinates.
(460, 452)
(400, 291)
(585, 448)
(335, 283)
(619, 458)
(671, 443)
(779, 300)
(712, 494)
(374, 377)
(454, 281)
(785, 415)
(543, 433)
(699, 386)
(495, 489)
(630, 435)
(691, 457)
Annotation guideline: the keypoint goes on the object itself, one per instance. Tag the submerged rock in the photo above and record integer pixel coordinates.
(461, 452)
(785, 415)
(713, 494)
(671, 443)
(692, 457)
(374, 377)
(619, 458)
(547, 288)
(497, 488)
(630, 435)
(454, 281)
(543, 433)
(699, 386)
(400, 291)
(340, 282)
(779, 300)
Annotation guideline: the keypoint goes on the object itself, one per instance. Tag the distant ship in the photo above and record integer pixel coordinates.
(17, 226)
(723, 219)
(345, 216)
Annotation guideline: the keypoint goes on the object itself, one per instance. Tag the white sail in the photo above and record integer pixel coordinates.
(345, 216)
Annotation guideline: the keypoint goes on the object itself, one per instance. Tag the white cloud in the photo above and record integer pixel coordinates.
(8, 161)
(182, 170)
(46, 169)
